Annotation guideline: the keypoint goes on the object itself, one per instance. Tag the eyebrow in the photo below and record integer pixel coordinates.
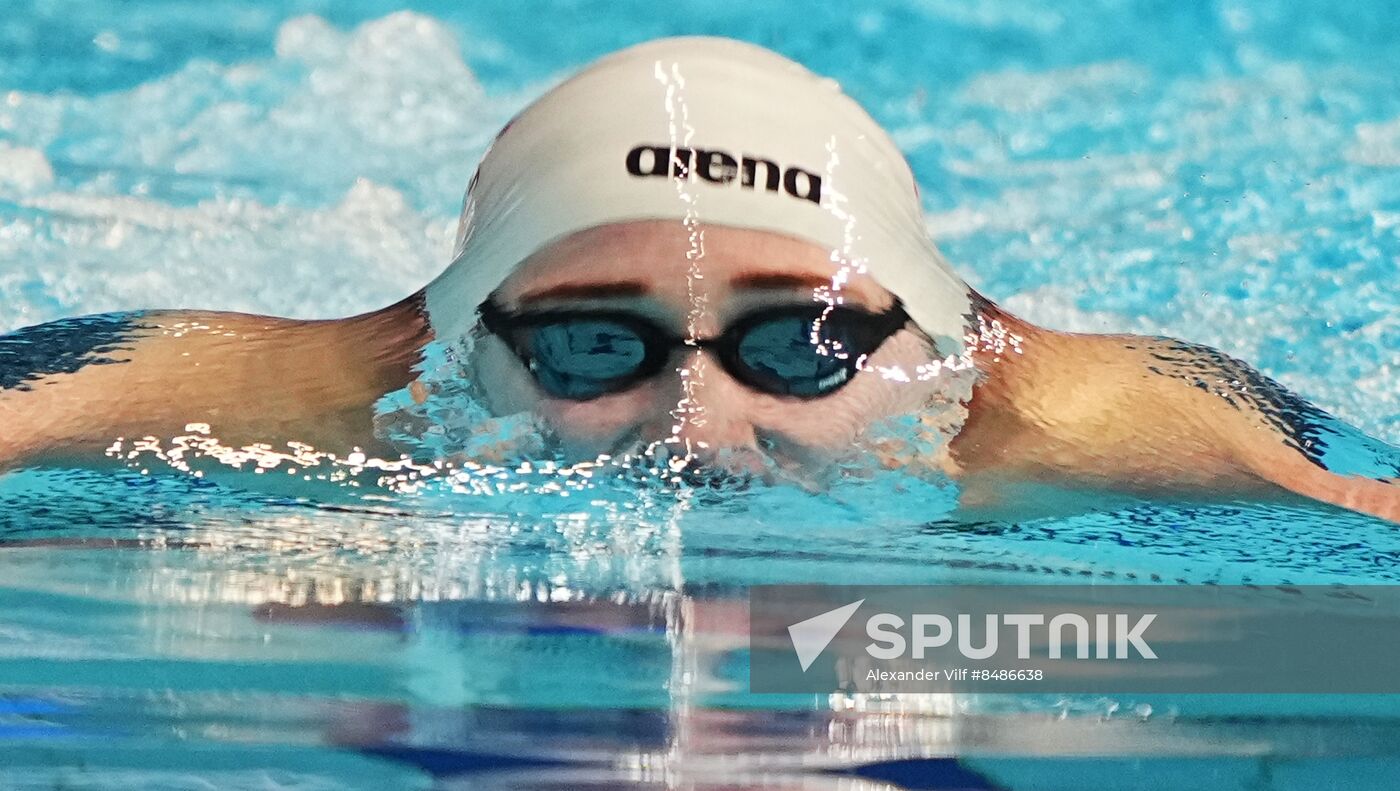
(635, 288)
(780, 280)
(624, 288)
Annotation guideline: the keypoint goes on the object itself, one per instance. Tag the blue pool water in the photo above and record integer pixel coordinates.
(1221, 172)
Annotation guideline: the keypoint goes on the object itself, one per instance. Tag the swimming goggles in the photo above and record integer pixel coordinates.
(802, 351)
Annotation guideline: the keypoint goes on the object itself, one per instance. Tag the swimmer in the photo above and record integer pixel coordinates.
(697, 246)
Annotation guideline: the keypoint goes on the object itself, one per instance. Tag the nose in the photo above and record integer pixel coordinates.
(710, 419)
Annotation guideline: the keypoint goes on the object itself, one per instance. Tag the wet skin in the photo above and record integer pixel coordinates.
(1051, 410)
(696, 407)
(1061, 411)
(251, 379)
(1145, 416)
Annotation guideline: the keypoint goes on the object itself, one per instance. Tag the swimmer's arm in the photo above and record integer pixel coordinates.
(1149, 414)
(69, 390)
(1270, 431)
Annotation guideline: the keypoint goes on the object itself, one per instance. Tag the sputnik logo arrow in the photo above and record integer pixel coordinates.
(812, 636)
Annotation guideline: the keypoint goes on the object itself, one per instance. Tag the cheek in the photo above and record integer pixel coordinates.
(833, 423)
(593, 426)
(836, 421)
(893, 379)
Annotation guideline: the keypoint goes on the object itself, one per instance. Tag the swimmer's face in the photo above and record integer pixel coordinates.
(694, 403)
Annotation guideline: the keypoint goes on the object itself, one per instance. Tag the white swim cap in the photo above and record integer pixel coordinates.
(708, 130)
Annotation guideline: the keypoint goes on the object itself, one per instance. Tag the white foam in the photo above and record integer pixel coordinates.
(1376, 145)
(321, 182)
(95, 253)
(392, 101)
(1019, 91)
(23, 169)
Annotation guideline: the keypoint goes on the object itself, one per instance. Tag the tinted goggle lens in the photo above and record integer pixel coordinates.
(806, 353)
(798, 356)
(584, 358)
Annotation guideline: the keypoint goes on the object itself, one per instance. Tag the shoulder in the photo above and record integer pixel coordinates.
(31, 354)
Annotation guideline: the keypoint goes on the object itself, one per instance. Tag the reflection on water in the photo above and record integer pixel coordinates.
(589, 634)
(537, 692)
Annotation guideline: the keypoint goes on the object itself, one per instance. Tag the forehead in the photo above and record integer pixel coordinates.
(662, 255)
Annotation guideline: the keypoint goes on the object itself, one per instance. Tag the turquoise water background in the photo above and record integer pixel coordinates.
(1225, 172)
